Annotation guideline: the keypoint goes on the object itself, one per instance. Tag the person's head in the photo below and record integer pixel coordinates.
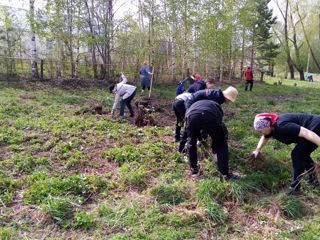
(262, 125)
(145, 63)
(209, 82)
(230, 94)
(111, 87)
(248, 67)
(197, 77)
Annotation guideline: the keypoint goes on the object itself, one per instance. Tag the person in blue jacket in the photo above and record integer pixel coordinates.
(145, 76)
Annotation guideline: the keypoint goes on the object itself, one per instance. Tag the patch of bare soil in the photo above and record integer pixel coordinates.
(154, 111)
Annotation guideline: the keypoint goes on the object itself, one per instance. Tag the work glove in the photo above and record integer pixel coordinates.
(255, 153)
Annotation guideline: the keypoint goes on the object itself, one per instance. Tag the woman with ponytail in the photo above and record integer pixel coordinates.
(302, 129)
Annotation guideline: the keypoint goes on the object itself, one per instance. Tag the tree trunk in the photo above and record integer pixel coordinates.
(34, 66)
(307, 40)
(242, 54)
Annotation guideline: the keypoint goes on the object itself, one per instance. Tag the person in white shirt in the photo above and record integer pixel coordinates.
(124, 93)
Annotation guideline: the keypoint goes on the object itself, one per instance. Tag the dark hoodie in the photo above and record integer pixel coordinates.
(207, 94)
(196, 86)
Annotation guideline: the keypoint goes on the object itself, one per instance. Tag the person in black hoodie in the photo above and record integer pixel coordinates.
(299, 128)
(216, 95)
(207, 115)
(200, 85)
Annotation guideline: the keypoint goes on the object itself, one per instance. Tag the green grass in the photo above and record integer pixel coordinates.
(90, 176)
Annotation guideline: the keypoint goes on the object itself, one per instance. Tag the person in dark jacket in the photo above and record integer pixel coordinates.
(249, 78)
(200, 85)
(216, 95)
(302, 129)
(207, 115)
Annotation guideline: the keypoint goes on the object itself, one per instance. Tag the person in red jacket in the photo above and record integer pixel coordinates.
(249, 78)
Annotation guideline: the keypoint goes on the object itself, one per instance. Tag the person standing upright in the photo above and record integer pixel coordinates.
(249, 78)
(145, 76)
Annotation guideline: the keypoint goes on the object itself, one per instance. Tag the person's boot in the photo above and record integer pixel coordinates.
(229, 177)
(293, 191)
(294, 188)
(195, 172)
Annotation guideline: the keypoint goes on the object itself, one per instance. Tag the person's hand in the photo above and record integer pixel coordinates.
(255, 153)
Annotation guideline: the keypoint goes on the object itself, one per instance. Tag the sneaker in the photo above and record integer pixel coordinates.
(195, 172)
(142, 93)
(229, 177)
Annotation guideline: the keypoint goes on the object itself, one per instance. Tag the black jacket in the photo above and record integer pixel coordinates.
(206, 94)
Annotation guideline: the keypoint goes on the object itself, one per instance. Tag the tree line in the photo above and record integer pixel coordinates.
(179, 37)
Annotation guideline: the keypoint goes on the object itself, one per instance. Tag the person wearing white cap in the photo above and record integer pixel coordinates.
(302, 129)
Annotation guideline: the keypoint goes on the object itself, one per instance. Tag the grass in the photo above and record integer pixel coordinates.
(93, 177)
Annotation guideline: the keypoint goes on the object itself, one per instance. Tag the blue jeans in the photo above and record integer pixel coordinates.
(127, 102)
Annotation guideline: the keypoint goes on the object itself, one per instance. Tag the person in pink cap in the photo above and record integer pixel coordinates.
(300, 128)
(197, 77)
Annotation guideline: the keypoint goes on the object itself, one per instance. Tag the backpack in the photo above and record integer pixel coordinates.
(180, 89)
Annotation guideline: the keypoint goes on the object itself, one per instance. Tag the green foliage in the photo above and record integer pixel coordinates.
(59, 208)
(78, 185)
(84, 220)
(169, 193)
(134, 175)
(292, 207)
(215, 212)
(7, 233)
(140, 153)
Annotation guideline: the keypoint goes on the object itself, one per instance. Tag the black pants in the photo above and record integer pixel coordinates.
(301, 161)
(249, 82)
(218, 133)
(180, 111)
(127, 102)
(144, 87)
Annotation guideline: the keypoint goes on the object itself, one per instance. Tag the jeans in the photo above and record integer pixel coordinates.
(127, 102)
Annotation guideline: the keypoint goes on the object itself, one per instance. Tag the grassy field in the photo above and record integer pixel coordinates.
(65, 175)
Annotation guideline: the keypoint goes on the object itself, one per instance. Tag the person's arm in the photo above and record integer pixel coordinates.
(309, 135)
(262, 142)
(116, 102)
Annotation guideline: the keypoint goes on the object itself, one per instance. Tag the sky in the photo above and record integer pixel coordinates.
(123, 5)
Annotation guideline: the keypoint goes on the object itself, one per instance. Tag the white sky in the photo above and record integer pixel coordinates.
(123, 4)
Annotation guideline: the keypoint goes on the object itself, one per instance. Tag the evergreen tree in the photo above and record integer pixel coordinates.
(267, 49)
